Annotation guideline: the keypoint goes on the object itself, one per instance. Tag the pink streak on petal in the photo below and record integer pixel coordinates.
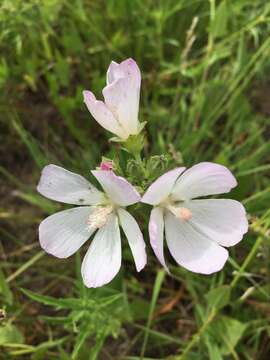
(102, 114)
(192, 249)
(161, 188)
(120, 191)
(127, 68)
(203, 179)
(222, 220)
(59, 184)
(156, 234)
(122, 93)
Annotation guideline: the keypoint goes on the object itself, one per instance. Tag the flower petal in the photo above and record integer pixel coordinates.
(222, 220)
(122, 94)
(134, 237)
(103, 115)
(103, 258)
(127, 68)
(191, 249)
(63, 233)
(162, 187)
(156, 234)
(113, 72)
(203, 179)
(120, 191)
(59, 184)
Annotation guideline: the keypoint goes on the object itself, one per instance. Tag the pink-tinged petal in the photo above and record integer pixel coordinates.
(156, 234)
(59, 184)
(222, 220)
(113, 72)
(122, 94)
(127, 68)
(119, 190)
(63, 233)
(134, 237)
(103, 258)
(103, 115)
(203, 179)
(191, 249)
(162, 187)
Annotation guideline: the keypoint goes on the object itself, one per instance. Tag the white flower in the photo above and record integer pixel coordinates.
(63, 233)
(196, 230)
(119, 111)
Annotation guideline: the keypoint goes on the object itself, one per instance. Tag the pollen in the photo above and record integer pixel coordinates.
(99, 217)
(181, 212)
(184, 213)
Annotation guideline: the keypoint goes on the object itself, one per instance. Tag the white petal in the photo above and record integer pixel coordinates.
(222, 220)
(119, 190)
(191, 249)
(112, 72)
(161, 188)
(127, 68)
(103, 258)
(203, 179)
(103, 115)
(134, 237)
(59, 184)
(63, 233)
(156, 234)
(122, 94)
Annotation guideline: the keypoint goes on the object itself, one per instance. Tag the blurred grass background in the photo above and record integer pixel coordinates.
(205, 97)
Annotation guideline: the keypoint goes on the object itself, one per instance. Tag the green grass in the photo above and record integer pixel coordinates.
(205, 97)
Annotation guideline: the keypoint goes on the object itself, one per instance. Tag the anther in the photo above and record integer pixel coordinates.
(99, 216)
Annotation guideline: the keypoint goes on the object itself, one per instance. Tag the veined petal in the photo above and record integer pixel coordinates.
(59, 184)
(162, 187)
(113, 72)
(103, 115)
(222, 220)
(63, 233)
(122, 94)
(127, 68)
(156, 234)
(203, 179)
(191, 249)
(134, 237)
(103, 258)
(120, 191)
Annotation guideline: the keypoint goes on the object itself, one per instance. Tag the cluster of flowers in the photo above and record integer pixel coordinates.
(196, 229)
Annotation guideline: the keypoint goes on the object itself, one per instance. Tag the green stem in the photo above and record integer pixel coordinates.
(25, 266)
(248, 259)
(157, 286)
(197, 336)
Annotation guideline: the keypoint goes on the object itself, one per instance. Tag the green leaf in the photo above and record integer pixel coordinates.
(31, 144)
(139, 309)
(36, 199)
(227, 332)
(10, 334)
(219, 25)
(214, 351)
(218, 297)
(4, 289)
(80, 340)
(72, 303)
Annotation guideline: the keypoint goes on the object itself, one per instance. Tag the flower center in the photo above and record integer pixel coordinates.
(99, 217)
(180, 212)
